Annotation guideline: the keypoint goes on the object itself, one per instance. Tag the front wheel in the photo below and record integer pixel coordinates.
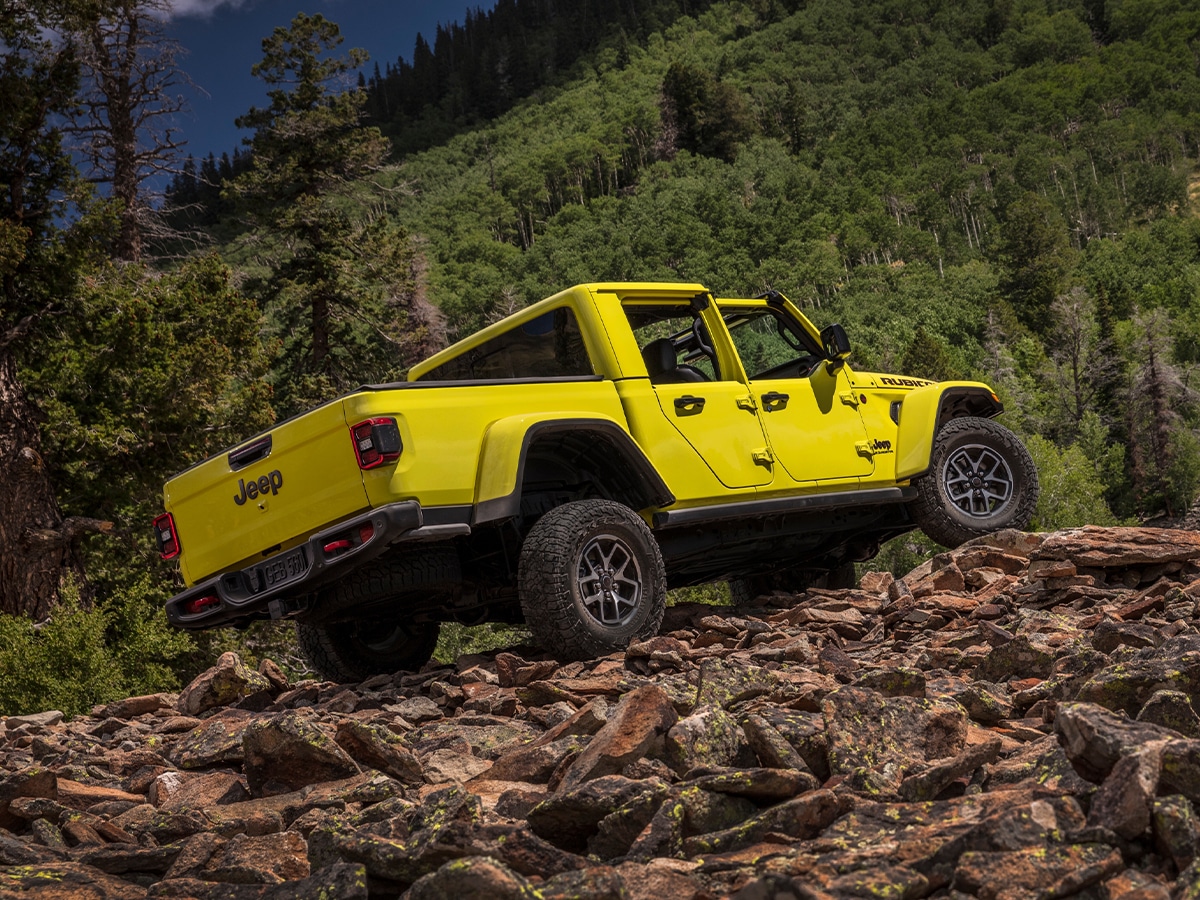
(980, 479)
(591, 577)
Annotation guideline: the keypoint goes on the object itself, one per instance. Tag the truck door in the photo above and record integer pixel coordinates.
(708, 407)
(809, 411)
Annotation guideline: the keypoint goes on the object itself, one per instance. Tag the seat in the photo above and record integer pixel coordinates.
(659, 356)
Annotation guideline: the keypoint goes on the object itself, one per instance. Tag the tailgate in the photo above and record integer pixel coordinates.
(268, 493)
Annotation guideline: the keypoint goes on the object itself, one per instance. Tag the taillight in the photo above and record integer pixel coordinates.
(200, 604)
(166, 537)
(376, 441)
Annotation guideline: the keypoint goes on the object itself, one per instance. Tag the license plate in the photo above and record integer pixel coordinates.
(285, 568)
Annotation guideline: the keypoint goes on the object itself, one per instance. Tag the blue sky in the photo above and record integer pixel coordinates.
(224, 39)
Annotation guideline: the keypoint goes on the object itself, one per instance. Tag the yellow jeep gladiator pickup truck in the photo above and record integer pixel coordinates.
(566, 466)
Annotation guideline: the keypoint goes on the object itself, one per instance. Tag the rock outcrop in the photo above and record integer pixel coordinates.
(1013, 719)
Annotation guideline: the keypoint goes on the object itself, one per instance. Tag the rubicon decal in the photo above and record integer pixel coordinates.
(266, 484)
(904, 382)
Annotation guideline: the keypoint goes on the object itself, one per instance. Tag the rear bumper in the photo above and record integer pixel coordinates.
(248, 593)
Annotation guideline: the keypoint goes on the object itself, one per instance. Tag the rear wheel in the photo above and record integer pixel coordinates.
(591, 577)
(980, 479)
(353, 651)
(362, 626)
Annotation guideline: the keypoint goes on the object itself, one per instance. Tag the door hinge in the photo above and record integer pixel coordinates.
(864, 448)
(849, 398)
(762, 456)
(747, 403)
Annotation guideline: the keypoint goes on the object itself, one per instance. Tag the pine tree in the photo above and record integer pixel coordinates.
(1165, 467)
(39, 551)
(342, 284)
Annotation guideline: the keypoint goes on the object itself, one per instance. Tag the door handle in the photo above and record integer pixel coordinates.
(773, 400)
(687, 405)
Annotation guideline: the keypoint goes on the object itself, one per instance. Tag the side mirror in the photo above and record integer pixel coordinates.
(836, 344)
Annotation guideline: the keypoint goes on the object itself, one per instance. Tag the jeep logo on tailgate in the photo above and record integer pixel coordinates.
(266, 484)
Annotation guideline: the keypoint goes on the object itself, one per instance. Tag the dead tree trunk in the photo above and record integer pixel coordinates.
(38, 550)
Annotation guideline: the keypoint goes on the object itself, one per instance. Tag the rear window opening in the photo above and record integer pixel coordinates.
(550, 346)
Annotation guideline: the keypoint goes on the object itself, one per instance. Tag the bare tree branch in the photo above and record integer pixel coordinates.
(125, 128)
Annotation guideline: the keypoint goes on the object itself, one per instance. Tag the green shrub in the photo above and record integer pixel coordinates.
(1072, 490)
(83, 656)
(456, 640)
(901, 555)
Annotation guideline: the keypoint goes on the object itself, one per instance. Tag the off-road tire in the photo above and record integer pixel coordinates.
(352, 651)
(583, 544)
(359, 626)
(980, 479)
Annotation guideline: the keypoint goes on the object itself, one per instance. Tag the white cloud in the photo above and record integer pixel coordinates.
(201, 9)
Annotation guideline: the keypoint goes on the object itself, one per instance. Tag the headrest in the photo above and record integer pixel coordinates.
(659, 356)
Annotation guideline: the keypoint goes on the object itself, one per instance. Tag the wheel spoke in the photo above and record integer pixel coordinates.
(977, 481)
(609, 580)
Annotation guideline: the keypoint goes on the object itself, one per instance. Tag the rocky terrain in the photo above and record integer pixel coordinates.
(1013, 719)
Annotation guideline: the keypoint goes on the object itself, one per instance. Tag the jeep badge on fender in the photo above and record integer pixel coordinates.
(269, 483)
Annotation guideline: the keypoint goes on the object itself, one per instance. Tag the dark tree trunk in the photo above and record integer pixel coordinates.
(38, 550)
(118, 85)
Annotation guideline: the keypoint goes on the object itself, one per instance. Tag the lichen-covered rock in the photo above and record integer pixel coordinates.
(380, 748)
(473, 877)
(570, 817)
(1128, 686)
(771, 748)
(760, 785)
(813, 735)
(445, 765)
(1018, 655)
(217, 742)
(984, 702)
(288, 751)
(1095, 739)
(593, 883)
(537, 762)
(179, 790)
(262, 859)
(722, 683)
(879, 736)
(66, 881)
(1057, 870)
(617, 832)
(1176, 829)
(1171, 709)
(708, 737)
(898, 682)
(1096, 547)
(1124, 801)
(637, 727)
(800, 818)
(222, 685)
(929, 782)
(34, 781)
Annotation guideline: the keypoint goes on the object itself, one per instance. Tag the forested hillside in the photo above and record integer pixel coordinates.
(972, 189)
(1001, 190)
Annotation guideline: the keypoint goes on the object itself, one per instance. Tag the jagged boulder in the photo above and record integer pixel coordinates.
(1013, 718)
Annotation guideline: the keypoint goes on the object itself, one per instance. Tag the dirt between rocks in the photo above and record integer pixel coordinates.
(1013, 719)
